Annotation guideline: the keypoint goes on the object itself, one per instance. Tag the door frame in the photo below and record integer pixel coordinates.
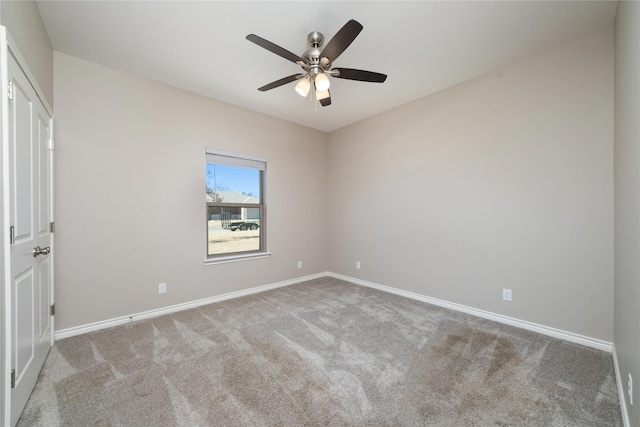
(9, 47)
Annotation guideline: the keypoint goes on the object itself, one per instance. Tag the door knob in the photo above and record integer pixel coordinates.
(41, 251)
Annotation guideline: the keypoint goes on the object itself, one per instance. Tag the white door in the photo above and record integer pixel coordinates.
(30, 169)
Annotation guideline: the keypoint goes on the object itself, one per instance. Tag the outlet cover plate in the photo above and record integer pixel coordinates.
(506, 294)
(162, 288)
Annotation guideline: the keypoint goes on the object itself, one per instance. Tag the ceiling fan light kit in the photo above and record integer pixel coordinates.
(322, 94)
(316, 63)
(322, 82)
(303, 86)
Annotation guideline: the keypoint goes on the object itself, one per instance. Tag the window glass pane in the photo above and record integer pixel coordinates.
(235, 208)
(232, 184)
(232, 229)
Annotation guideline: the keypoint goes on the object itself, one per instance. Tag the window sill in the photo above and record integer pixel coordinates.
(236, 258)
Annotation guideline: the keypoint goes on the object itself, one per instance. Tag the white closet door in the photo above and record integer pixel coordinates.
(30, 194)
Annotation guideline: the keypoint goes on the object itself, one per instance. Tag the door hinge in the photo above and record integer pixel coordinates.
(53, 309)
(12, 235)
(13, 378)
(52, 144)
(10, 91)
(52, 227)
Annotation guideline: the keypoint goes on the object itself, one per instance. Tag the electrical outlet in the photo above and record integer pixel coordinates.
(630, 389)
(162, 288)
(299, 264)
(506, 294)
(358, 265)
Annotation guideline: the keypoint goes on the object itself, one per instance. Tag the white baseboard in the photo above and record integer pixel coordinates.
(622, 393)
(546, 330)
(556, 333)
(91, 327)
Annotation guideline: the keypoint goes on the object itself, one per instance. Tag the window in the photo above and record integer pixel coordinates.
(236, 226)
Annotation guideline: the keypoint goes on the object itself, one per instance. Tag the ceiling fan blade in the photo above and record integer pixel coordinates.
(272, 47)
(326, 101)
(278, 83)
(360, 75)
(343, 38)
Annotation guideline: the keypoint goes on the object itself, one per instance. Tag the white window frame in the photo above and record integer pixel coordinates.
(249, 161)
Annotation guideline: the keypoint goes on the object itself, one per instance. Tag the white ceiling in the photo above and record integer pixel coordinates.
(423, 46)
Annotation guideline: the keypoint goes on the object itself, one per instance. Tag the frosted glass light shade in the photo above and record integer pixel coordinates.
(303, 86)
(322, 82)
(321, 94)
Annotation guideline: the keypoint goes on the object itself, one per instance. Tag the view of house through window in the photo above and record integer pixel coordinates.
(235, 205)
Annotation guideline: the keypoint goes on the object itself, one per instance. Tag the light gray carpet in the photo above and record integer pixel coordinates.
(322, 353)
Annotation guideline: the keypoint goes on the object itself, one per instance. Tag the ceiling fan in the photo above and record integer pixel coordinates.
(316, 63)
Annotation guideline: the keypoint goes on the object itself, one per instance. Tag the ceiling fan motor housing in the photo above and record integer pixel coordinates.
(312, 55)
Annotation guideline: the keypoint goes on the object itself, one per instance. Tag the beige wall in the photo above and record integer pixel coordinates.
(627, 199)
(504, 181)
(511, 174)
(24, 25)
(130, 202)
